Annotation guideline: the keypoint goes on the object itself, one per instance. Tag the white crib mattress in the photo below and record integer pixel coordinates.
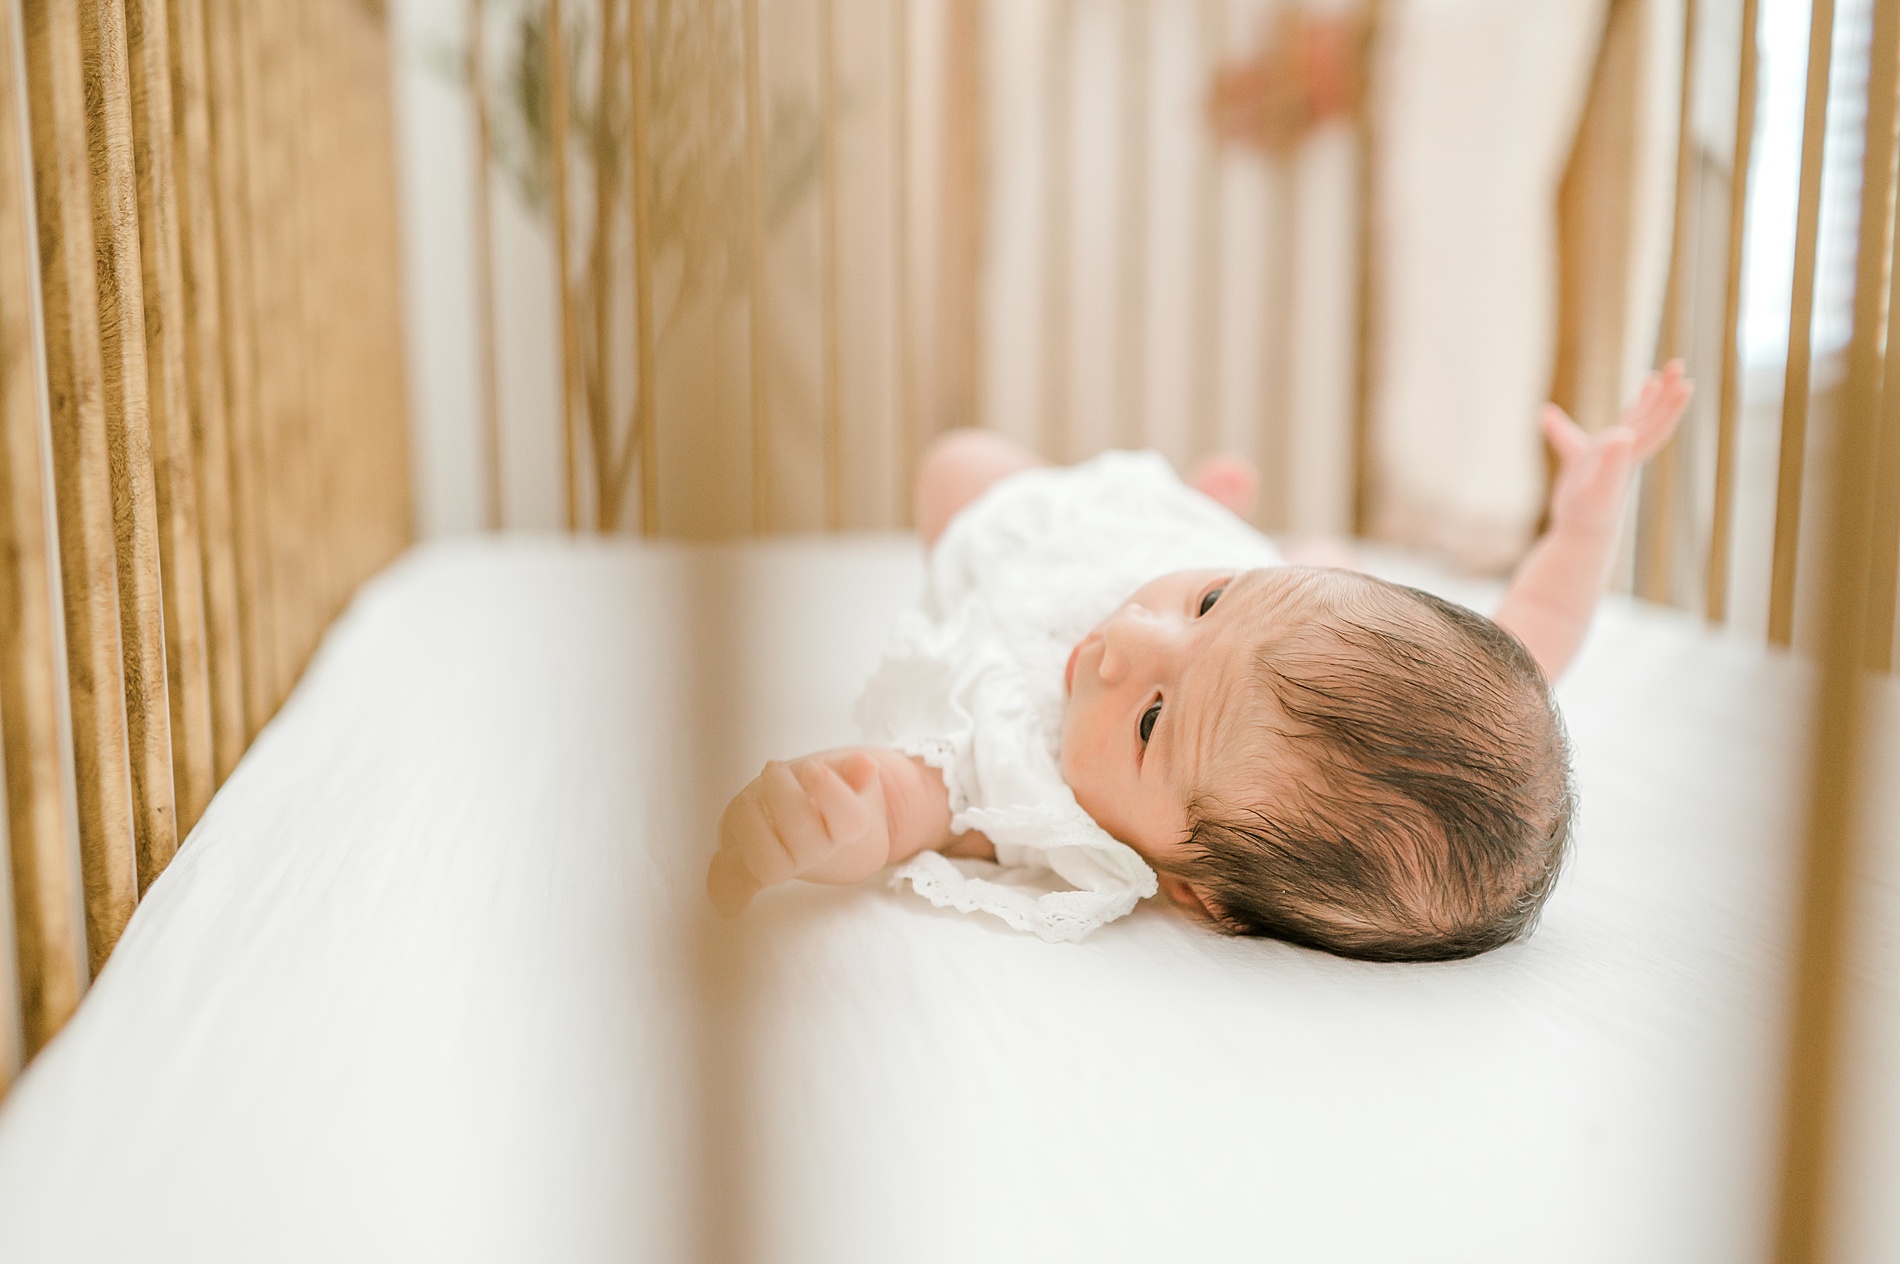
(412, 989)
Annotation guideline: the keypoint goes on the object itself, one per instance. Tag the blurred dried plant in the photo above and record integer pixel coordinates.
(695, 117)
(695, 144)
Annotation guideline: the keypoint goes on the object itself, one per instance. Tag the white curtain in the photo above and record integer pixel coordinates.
(1477, 114)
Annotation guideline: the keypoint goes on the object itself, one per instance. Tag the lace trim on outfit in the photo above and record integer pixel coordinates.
(1109, 880)
(941, 754)
(1056, 917)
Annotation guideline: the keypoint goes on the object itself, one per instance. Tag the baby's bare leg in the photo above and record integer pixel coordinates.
(959, 467)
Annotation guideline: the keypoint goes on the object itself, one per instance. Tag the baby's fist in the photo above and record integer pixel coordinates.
(821, 817)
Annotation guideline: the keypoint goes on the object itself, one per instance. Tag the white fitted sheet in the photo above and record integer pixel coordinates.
(411, 992)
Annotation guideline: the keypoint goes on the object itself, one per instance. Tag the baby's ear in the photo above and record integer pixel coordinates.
(1187, 897)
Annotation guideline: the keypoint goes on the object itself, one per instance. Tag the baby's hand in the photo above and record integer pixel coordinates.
(821, 818)
(1595, 473)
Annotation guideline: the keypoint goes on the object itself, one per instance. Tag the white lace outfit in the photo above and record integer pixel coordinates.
(972, 679)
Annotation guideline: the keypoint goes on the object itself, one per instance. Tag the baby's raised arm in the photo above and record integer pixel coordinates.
(1555, 591)
(837, 817)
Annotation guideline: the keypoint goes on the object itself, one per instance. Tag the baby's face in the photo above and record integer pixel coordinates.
(1162, 684)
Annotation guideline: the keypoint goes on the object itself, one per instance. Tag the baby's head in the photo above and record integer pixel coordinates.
(1325, 758)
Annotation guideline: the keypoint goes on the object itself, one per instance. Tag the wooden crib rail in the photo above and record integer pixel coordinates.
(1838, 599)
(49, 954)
(1689, 548)
(1806, 1224)
(202, 439)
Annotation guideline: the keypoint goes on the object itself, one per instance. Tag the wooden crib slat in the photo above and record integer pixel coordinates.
(263, 309)
(1884, 577)
(596, 370)
(1209, 232)
(35, 745)
(1870, 390)
(959, 319)
(1278, 363)
(909, 446)
(1661, 479)
(350, 402)
(556, 43)
(305, 32)
(12, 1032)
(351, 274)
(1722, 534)
(368, 245)
(319, 185)
(1883, 439)
(1596, 236)
(82, 472)
(830, 388)
(122, 335)
(486, 354)
(1794, 401)
(758, 399)
(1366, 282)
(1131, 324)
(345, 402)
(318, 138)
(646, 424)
(1058, 177)
(346, 427)
(148, 46)
(251, 542)
(1806, 1229)
(270, 37)
(205, 406)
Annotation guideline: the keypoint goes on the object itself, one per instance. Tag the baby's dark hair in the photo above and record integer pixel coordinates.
(1439, 805)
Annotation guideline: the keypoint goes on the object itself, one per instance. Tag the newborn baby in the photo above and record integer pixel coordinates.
(1114, 686)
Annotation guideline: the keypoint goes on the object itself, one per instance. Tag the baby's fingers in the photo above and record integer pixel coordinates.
(729, 884)
(802, 836)
(1565, 435)
(753, 830)
(1653, 418)
(845, 812)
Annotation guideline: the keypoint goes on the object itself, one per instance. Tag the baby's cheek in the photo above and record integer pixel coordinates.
(1071, 759)
(1083, 779)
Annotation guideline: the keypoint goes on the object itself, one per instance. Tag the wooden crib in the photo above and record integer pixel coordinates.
(205, 449)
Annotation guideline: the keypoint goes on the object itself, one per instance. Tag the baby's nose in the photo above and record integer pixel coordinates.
(1131, 639)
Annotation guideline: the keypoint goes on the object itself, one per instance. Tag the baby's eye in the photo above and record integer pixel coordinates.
(1148, 719)
(1207, 602)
